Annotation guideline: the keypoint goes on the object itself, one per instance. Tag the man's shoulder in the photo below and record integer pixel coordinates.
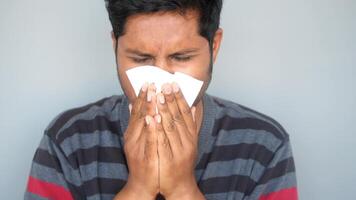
(85, 119)
(235, 118)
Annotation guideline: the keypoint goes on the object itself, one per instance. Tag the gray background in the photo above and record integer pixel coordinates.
(293, 60)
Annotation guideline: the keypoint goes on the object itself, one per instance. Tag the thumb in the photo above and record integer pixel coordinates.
(193, 109)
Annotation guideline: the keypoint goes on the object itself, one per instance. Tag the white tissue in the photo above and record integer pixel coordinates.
(189, 86)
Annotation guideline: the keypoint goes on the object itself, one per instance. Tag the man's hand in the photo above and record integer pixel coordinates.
(177, 145)
(141, 149)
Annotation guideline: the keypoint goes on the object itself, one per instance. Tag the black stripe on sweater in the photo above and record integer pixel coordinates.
(238, 183)
(231, 123)
(96, 153)
(253, 151)
(98, 123)
(67, 115)
(283, 167)
(44, 158)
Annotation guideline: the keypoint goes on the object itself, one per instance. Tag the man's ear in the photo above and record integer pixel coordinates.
(114, 41)
(217, 42)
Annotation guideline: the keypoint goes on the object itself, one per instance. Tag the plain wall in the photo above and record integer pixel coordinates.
(293, 60)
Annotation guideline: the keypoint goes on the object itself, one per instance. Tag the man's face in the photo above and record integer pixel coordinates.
(167, 40)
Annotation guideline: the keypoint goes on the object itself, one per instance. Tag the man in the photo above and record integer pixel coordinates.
(120, 148)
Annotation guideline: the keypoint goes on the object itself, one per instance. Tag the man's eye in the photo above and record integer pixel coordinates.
(141, 60)
(182, 58)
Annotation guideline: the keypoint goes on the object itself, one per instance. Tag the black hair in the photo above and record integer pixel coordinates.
(209, 13)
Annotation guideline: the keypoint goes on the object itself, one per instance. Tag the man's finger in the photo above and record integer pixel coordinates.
(175, 113)
(168, 124)
(193, 112)
(184, 108)
(150, 139)
(151, 100)
(136, 111)
(136, 121)
(164, 149)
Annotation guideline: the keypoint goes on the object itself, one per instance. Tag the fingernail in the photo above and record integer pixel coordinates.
(167, 89)
(149, 96)
(175, 87)
(161, 98)
(145, 87)
(147, 119)
(130, 107)
(158, 118)
(154, 87)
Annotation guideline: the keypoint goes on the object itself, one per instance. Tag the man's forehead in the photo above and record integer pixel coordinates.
(162, 22)
(161, 30)
(164, 16)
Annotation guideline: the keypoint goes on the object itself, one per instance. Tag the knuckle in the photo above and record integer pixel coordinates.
(135, 107)
(165, 142)
(140, 114)
(179, 96)
(133, 111)
(150, 143)
(159, 128)
(169, 98)
(170, 126)
(164, 109)
(177, 117)
(186, 111)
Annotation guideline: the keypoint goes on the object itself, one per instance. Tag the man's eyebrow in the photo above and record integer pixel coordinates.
(185, 51)
(143, 54)
(137, 52)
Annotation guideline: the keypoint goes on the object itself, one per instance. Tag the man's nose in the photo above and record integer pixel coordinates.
(163, 64)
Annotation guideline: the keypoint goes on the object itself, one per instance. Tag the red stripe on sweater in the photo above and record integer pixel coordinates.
(48, 190)
(285, 194)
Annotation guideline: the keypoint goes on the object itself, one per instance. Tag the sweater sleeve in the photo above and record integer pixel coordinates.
(278, 182)
(51, 177)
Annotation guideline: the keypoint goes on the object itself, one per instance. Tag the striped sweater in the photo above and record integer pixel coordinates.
(242, 154)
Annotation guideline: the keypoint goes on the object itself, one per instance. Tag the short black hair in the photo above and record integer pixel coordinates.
(209, 12)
